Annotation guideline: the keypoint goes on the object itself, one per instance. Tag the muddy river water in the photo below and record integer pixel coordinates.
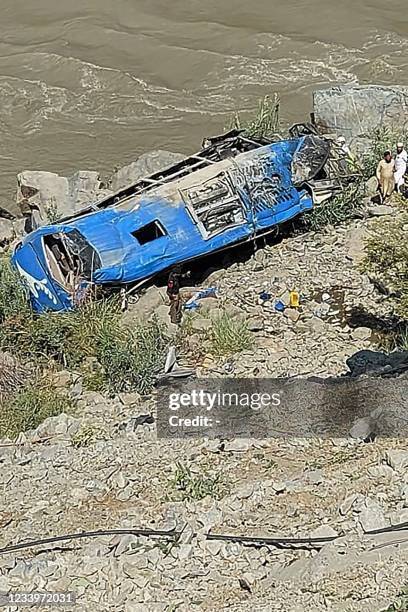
(93, 83)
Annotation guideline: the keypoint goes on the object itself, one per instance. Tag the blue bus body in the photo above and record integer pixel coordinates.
(136, 236)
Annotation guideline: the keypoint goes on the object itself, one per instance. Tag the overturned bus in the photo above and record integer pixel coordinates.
(233, 190)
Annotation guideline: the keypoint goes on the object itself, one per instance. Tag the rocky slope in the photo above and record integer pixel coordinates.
(103, 468)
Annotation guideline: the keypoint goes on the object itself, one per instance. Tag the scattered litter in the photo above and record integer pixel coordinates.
(264, 296)
(294, 299)
(135, 422)
(279, 306)
(170, 359)
(325, 297)
(193, 303)
(322, 310)
(171, 367)
(123, 300)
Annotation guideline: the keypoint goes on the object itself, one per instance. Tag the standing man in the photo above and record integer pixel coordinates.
(401, 160)
(173, 292)
(385, 176)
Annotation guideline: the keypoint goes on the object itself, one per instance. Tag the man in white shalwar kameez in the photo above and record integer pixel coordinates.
(401, 160)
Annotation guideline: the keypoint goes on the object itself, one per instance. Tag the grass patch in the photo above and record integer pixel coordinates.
(125, 359)
(13, 297)
(401, 603)
(186, 486)
(336, 210)
(31, 406)
(387, 258)
(262, 123)
(229, 335)
(131, 359)
(13, 376)
(87, 435)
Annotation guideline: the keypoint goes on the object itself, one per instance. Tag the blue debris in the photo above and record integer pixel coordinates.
(193, 302)
(279, 306)
(265, 296)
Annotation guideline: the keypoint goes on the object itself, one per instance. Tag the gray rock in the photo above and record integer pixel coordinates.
(361, 333)
(292, 314)
(363, 428)
(148, 163)
(322, 310)
(404, 493)
(279, 486)
(397, 459)
(162, 315)
(380, 211)
(314, 477)
(324, 531)
(213, 547)
(372, 517)
(83, 187)
(238, 445)
(400, 517)
(208, 305)
(348, 504)
(129, 399)
(274, 358)
(316, 325)
(63, 424)
(184, 552)
(255, 324)
(55, 196)
(371, 186)
(140, 577)
(354, 110)
(356, 245)
(125, 544)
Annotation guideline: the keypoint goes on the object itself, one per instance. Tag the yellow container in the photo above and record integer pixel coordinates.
(294, 299)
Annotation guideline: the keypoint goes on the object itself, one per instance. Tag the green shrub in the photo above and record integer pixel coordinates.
(64, 337)
(13, 297)
(336, 210)
(185, 486)
(131, 359)
(264, 122)
(13, 376)
(228, 335)
(380, 140)
(387, 258)
(31, 406)
(128, 359)
(401, 603)
(87, 435)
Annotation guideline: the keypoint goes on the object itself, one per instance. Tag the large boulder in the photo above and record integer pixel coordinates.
(148, 163)
(54, 196)
(354, 110)
(45, 197)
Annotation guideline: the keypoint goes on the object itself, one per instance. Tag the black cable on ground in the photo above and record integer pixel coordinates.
(91, 534)
(174, 535)
(390, 529)
(268, 540)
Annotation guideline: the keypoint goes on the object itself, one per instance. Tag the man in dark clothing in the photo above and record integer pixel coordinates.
(173, 291)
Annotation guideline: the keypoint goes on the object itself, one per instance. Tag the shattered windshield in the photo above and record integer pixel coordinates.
(86, 256)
